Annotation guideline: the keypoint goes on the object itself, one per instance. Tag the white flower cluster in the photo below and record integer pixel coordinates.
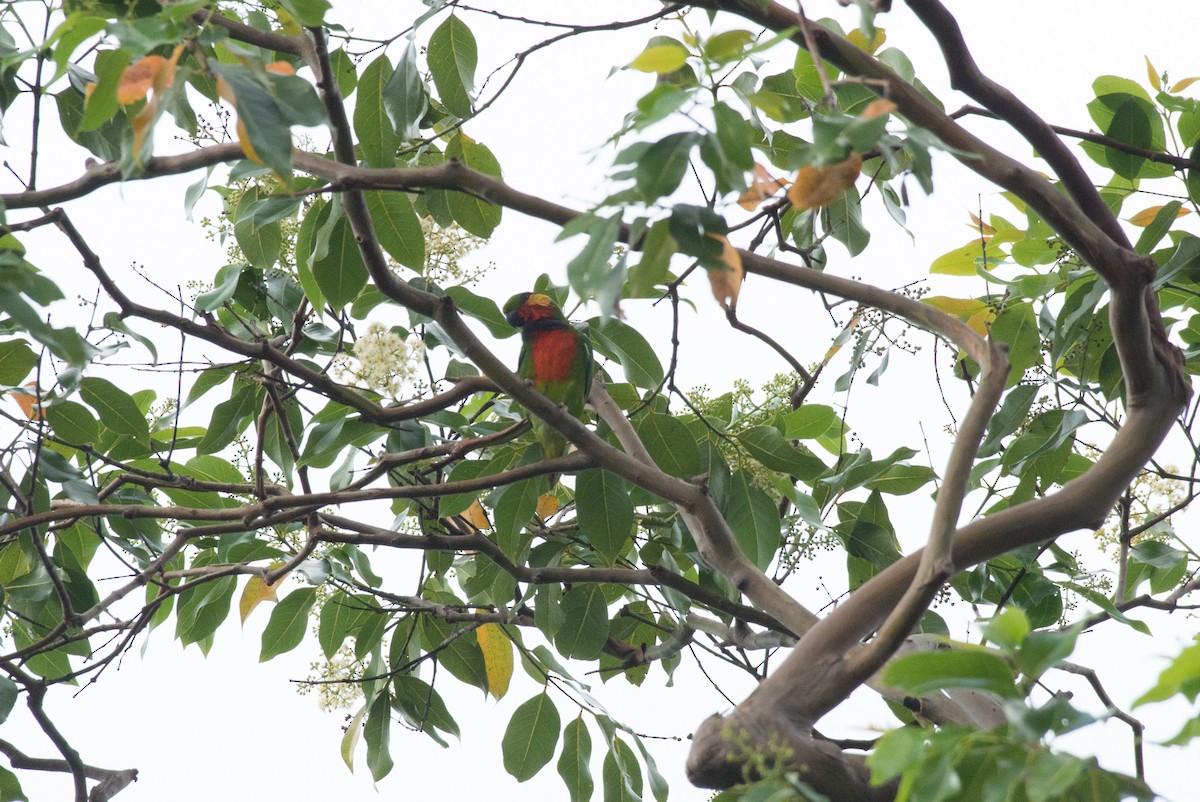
(385, 361)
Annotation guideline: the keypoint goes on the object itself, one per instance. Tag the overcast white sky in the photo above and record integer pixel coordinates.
(227, 727)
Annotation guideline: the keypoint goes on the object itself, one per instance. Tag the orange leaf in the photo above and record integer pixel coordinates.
(980, 226)
(30, 402)
(815, 187)
(726, 283)
(281, 68)
(1146, 216)
(877, 108)
(476, 516)
(762, 187)
(256, 592)
(225, 91)
(497, 657)
(138, 78)
(547, 505)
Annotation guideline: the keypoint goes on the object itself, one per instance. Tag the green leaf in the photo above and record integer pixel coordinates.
(531, 737)
(754, 519)
(341, 273)
(405, 98)
(102, 103)
(900, 480)
(660, 59)
(376, 136)
(288, 623)
(929, 672)
(398, 227)
(8, 698)
(767, 445)
(670, 444)
(73, 423)
(621, 773)
(1008, 628)
(1017, 326)
(16, 360)
(1130, 124)
(482, 309)
(260, 244)
(309, 13)
(204, 608)
(662, 167)
(627, 345)
(605, 512)
(115, 407)
(1158, 228)
(265, 123)
(340, 615)
(846, 224)
(423, 706)
(377, 732)
(588, 272)
(585, 627)
(452, 58)
(574, 764)
(470, 211)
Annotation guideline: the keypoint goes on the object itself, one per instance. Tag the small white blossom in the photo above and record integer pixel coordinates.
(385, 360)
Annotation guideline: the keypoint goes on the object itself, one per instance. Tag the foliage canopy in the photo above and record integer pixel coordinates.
(306, 455)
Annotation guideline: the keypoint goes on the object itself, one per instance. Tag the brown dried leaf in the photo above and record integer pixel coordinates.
(138, 78)
(815, 187)
(763, 186)
(476, 516)
(728, 282)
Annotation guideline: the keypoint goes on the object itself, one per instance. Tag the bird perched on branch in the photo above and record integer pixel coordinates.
(556, 358)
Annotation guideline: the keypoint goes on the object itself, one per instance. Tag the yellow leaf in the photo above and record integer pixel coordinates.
(1146, 216)
(860, 39)
(981, 321)
(815, 187)
(497, 657)
(244, 140)
(547, 505)
(256, 592)
(877, 108)
(959, 307)
(476, 516)
(30, 402)
(1155, 78)
(660, 59)
(960, 261)
(762, 187)
(1183, 84)
(142, 124)
(728, 282)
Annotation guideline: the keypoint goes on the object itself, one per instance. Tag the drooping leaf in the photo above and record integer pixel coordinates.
(531, 737)
(497, 657)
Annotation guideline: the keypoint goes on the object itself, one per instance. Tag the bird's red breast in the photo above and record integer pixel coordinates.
(554, 352)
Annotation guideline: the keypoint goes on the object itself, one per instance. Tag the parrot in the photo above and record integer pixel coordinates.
(556, 358)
